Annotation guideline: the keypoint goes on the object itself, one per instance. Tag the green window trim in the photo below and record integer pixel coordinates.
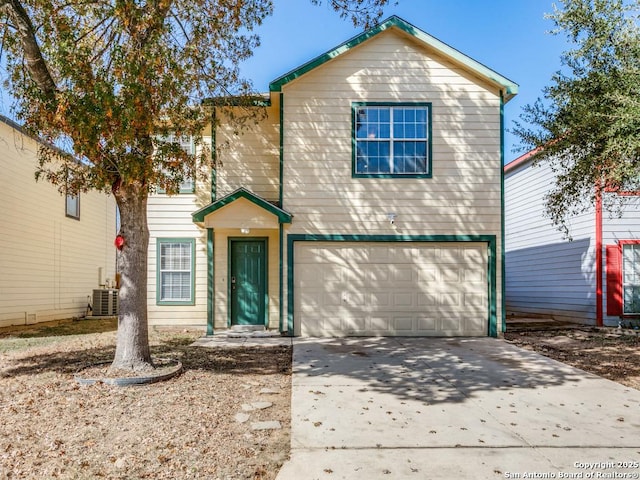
(391, 139)
(490, 241)
(192, 265)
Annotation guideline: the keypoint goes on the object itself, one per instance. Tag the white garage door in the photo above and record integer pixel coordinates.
(387, 289)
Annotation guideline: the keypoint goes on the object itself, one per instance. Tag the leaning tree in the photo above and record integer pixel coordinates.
(587, 126)
(113, 84)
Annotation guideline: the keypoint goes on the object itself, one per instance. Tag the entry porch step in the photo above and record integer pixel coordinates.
(247, 328)
(247, 331)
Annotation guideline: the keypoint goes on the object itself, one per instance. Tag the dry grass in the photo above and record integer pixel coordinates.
(181, 428)
(605, 352)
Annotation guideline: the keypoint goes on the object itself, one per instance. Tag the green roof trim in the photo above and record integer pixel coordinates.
(509, 87)
(283, 215)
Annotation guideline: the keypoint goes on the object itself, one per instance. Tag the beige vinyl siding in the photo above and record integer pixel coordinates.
(170, 217)
(464, 195)
(221, 258)
(50, 263)
(250, 158)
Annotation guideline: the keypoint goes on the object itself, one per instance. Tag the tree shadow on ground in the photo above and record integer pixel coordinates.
(67, 358)
(61, 328)
(442, 370)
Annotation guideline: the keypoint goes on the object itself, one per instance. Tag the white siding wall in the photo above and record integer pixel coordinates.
(545, 273)
(619, 225)
(170, 217)
(49, 262)
(250, 158)
(464, 195)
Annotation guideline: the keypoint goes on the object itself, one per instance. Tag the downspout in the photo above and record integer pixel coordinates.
(214, 156)
(599, 272)
(281, 228)
(210, 233)
(210, 277)
(503, 316)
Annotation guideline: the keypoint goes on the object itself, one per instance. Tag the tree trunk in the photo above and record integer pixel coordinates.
(132, 345)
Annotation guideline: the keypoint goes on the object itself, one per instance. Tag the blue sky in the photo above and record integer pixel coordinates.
(508, 36)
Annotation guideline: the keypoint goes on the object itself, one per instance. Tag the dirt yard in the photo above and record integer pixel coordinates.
(192, 426)
(608, 353)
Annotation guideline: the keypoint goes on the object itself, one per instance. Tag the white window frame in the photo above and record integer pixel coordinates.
(163, 274)
(72, 206)
(631, 278)
(187, 144)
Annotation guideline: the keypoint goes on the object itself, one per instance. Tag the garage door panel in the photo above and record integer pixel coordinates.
(427, 300)
(380, 299)
(403, 274)
(426, 324)
(451, 274)
(390, 289)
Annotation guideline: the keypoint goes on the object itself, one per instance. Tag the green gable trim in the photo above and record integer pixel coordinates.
(283, 216)
(238, 101)
(509, 87)
(490, 240)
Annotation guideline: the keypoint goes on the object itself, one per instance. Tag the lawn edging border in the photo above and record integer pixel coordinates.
(129, 381)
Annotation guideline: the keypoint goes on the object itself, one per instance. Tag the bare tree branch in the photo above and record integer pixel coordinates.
(33, 55)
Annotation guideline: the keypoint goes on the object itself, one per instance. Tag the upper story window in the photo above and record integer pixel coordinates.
(392, 140)
(72, 206)
(186, 143)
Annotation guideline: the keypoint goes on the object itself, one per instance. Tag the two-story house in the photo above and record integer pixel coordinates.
(55, 249)
(366, 201)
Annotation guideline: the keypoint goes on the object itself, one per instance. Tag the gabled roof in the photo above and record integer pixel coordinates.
(509, 88)
(521, 160)
(283, 215)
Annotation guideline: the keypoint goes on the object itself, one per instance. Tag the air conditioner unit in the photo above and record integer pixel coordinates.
(105, 302)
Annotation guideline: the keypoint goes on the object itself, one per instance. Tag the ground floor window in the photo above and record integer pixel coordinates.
(176, 265)
(631, 278)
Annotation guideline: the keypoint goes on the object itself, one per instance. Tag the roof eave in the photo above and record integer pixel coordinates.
(508, 87)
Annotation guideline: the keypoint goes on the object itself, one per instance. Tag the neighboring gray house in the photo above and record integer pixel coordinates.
(593, 279)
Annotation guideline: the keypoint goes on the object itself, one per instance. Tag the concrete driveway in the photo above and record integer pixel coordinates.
(421, 408)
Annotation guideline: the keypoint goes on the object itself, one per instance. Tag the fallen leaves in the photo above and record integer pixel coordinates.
(182, 428)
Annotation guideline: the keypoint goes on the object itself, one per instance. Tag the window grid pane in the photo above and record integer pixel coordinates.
(186, 144)
(631, 278)
(397, 155)
(175, 271)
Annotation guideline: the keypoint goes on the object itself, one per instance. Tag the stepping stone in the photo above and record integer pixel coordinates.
(251, 407)
(268, 425)
(268, 391)
(241, 417)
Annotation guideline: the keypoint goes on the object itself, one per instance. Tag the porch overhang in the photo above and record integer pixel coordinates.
(241, 208)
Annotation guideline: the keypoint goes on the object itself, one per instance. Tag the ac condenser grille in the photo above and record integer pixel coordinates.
(105, 302)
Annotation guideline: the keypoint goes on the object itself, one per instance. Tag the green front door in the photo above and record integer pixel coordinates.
(248, 281)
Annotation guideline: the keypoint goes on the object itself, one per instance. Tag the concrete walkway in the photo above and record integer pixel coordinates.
(400, 408)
